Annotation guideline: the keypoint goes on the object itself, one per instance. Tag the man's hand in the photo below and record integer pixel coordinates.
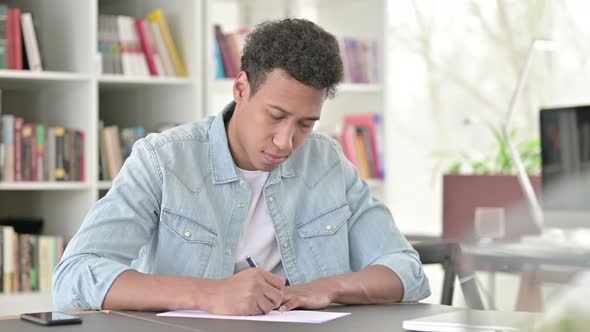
(250, 292)
(314, 295)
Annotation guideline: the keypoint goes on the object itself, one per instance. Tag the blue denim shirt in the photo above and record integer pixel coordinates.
(178, 205)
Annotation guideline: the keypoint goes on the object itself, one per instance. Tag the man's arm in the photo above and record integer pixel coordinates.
(374, 285)
(251, 292)
(387, 268)
(95, 271)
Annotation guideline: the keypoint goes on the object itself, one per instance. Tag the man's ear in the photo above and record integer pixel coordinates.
(241, 88)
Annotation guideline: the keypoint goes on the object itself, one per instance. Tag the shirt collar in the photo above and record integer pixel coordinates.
(223, 167)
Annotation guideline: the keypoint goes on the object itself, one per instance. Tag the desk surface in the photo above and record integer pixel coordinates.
(370, 317)
(517, 253)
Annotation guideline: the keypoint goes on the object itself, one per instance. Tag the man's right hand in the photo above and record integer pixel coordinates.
(250, 292)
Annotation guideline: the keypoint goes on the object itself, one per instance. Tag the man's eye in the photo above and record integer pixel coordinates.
(275, 117)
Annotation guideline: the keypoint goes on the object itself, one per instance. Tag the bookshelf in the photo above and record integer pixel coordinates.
(71, 92)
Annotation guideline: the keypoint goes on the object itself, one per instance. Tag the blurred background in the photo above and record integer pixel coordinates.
(428, 86)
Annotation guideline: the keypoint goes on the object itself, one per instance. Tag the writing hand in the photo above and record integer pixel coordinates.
(250, 292)
(314, 295)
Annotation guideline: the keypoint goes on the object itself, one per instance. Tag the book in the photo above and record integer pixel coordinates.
(113, 150)
(103, 169)
(2, 148)
(31, 45)
(157, 16)
(50, 153)
(60, 154)
(8, 261)
(373, 122)
(8, 142)
(228, 63)
(3, 36)
(158, 39)
(361, 153)
(40, 152)
(151, 56)
(28, 151)
(15, 53)
(349, 144)
(18, 148)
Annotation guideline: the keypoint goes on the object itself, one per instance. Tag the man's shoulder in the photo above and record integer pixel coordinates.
(319, 142)
(318, 154)
(195, 132)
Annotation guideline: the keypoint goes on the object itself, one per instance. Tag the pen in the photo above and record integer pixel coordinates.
(251, 262)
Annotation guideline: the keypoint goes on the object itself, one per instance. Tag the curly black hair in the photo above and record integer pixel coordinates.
(300, 47)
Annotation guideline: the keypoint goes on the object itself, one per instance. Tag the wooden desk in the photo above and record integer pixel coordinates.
(534, 266)
(363, 318)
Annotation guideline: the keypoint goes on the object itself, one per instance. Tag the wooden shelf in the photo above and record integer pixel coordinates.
(43, 186)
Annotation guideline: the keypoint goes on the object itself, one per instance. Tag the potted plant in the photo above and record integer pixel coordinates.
(489, 181)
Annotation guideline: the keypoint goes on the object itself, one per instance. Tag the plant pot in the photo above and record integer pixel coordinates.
(463, 194)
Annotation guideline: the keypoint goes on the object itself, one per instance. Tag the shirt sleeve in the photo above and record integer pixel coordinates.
(374, 238)
(111, 235)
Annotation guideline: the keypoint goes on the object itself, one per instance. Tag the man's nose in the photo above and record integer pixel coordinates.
(283, 139)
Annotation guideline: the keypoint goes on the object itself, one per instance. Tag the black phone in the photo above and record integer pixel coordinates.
(51, 318)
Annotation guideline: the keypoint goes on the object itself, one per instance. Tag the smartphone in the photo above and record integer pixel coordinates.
(51, 318)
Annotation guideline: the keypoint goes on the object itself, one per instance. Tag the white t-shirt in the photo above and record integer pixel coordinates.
(258, 234)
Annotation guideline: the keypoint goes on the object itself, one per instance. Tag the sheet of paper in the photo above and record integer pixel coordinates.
(294, 316)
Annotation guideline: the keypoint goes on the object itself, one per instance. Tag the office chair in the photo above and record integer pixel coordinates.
(449, 255)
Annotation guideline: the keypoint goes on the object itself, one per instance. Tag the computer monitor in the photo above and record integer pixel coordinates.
(565, 155)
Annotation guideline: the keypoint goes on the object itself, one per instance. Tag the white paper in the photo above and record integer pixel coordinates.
(294, 316)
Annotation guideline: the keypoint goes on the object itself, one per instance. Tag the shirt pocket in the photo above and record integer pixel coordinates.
(184, 245)
(325, 236)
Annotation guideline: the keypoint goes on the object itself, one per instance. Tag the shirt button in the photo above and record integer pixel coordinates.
(228, 251)
(241, 204)
(329, 227)
(270, 199)
(187, 234)
(242, 183)
(286, 244)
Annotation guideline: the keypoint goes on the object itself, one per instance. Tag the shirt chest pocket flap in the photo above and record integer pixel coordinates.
(187, 229)
(325, 223)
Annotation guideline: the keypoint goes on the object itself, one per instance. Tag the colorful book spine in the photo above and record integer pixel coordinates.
(60, 154)
(146, 46)
(157, 16)
(18, 148)
(3, 36)
(8, 141)
(15, 46)
(228, 64)
(30, 38)
(40, 152)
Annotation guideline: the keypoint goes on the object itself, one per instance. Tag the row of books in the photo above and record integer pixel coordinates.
(228, 51)
(114, 147)
(138, 47)
(36, 152)
(18, 41)
(362, 142)
(360, 56)
(27, 260)
(360, 59)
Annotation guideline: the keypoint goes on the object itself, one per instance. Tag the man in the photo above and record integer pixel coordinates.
(191, 203)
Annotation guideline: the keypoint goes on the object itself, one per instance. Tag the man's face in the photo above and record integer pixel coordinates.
(269, 126)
